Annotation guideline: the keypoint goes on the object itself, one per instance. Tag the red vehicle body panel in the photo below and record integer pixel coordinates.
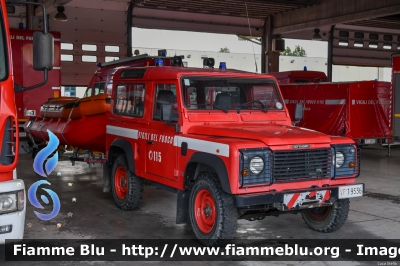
(7, 106)
(25, 75)
(358, 110)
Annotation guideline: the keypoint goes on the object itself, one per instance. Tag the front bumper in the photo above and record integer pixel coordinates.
(297, 199)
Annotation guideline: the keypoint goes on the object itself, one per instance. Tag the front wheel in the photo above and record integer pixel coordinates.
(127, 188)
(327, 219)
(213, 215)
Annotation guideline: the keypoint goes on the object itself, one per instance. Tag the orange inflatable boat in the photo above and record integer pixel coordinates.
(80, 123)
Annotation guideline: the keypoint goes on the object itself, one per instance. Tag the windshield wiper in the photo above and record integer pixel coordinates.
(263, 108)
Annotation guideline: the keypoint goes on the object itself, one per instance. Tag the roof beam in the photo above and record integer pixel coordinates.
(187, 21)
(331, 12)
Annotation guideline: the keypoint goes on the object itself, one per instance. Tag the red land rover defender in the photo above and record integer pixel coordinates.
(224, 142)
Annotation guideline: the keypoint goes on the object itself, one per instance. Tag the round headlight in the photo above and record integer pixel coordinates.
(256, 165)
(6, 203)
(339, 159)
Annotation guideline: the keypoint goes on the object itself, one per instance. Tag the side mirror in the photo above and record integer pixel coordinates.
(43, 48)
(43, 51)
(166, 112)
(298, 115)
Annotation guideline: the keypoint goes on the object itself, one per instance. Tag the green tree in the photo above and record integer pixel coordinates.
(224, 50)
(298, 51)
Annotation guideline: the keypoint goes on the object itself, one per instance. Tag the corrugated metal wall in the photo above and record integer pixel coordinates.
(89, 26)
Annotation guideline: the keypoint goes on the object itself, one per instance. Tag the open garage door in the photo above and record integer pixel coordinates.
(89, 36)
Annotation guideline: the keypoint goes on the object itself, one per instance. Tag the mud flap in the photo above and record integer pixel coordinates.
(182, 207)
(106, 177)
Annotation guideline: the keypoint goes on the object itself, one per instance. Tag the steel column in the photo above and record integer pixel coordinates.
(330, 53)
(129, 26)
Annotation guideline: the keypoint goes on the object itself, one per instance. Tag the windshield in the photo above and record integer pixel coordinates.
(205, 93)
(3, 58)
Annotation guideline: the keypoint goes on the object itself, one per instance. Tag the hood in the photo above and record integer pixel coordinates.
(269, 134)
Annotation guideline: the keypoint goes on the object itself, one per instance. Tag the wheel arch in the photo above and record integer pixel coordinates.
(202, 160)
(125, 146)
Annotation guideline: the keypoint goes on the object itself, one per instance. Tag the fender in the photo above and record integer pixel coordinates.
(214, 162)
(127, 148)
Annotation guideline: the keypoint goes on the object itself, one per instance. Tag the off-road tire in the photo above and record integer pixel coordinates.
(127, 188)
(207, 193)
(327, 219)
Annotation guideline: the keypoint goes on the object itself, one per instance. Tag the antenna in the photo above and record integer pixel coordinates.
(248, 22)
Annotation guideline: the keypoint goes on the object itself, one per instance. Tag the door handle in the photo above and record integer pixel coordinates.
(150, 142)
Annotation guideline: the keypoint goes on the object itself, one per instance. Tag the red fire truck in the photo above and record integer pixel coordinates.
(12, 189)
(222, 140)
(359, 110)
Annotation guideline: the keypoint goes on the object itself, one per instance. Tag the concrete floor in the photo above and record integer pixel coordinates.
(95, 215)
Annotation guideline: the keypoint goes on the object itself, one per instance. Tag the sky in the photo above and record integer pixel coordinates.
(184, 40)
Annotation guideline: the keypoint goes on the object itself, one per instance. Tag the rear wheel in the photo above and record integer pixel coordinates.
(327, 219)
(126, 187)
(212, 213)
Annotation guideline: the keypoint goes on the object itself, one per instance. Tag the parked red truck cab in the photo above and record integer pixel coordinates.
(225, 143)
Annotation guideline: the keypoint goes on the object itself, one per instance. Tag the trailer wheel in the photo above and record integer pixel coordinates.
(127, 188)
(212, 213)
(327, 219)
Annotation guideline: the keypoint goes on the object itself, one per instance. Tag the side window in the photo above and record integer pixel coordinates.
(129, 99)
(165, 94)
(99, 88)
(88, 92)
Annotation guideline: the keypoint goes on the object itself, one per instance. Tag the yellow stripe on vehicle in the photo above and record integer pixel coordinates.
(396, 115)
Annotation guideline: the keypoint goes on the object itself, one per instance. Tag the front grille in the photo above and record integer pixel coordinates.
(306, 164)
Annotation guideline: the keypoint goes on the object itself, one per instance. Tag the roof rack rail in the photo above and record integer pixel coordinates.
(124, 60)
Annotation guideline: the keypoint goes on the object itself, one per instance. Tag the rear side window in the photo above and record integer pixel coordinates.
(129, 99)
(165, 94)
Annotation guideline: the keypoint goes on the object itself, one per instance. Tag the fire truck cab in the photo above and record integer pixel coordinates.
(225, 143)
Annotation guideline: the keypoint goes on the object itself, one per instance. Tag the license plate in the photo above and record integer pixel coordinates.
(22, 134)
(370, 141)
(351, 191)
